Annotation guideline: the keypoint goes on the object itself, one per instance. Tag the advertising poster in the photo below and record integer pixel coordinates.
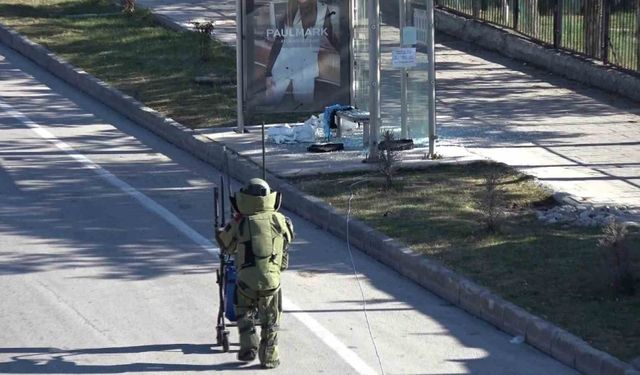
(296, 55)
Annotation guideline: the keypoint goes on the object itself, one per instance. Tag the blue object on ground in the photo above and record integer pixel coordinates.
(230, 291)
(328, 120)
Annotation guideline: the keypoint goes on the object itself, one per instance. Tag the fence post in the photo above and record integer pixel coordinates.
(557, 23)
(504, 13)
(516, 12)
(604, 40)
(475, 9)
(638, 35)
(593, 28)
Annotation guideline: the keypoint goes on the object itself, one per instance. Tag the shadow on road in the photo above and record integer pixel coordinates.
(46, 360)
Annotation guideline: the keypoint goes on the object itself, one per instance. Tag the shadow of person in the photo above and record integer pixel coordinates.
(59, 362)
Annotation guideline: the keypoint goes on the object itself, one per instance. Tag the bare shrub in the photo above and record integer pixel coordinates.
(205, 29)
(491, 200)
(389, 158)
(617, 254)
(128, 6)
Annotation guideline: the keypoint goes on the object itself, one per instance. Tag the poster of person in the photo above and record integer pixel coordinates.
(297, 55)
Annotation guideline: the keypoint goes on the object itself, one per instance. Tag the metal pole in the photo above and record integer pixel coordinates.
(239, 68)
(557, 24)
(404, 131)
(264, 165)
(352, 58)
(374, 78)
(216, 212)
(431, 85)
(228, 178)
(222, 198)
(606, 18)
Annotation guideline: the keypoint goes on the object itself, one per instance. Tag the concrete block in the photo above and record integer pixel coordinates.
(40, 56)
(493, 309)
(428, 277)
(481, 302)
(471, 297)
(515, 319)
(359, 231)
(613, 366)
(5, 36)
(337, 224)
(408, 261)
(565, 347)
(67, 70)
(374, 246)
(635, 363)
(588, 360)
(383, 252)
(440, 280)
(21, 45)
(540, 334)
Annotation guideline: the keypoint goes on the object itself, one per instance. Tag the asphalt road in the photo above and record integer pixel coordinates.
(105, 265)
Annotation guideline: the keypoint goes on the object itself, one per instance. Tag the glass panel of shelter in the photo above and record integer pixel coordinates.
(360, 55)
(392, 103)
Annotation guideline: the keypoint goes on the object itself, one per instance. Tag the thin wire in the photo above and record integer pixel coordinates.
(355, 273)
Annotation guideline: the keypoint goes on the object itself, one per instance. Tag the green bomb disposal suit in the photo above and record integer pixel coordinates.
(258, 237)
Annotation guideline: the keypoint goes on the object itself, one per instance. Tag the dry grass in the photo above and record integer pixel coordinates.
(555, 272)
(130, 52)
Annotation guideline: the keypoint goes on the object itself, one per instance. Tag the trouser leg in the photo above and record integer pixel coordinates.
(269, 309)
(245, 312)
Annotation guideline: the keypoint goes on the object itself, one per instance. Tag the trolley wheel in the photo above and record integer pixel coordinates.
(218, 335)
(225, 341)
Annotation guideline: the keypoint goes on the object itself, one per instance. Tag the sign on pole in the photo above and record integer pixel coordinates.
(403, 57)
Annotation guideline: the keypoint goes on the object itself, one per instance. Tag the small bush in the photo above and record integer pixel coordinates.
(128, 6)
(617, 254)
(389, 158)
(205, 29)
(491, 200)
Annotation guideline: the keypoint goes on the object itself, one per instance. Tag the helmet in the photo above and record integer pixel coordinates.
(257, 187)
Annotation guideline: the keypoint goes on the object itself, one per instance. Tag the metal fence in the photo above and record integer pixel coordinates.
(606, 30)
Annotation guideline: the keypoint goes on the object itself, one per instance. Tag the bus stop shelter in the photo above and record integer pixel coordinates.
(302, 55)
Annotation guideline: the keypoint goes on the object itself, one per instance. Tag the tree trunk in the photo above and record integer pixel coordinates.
(592, 27)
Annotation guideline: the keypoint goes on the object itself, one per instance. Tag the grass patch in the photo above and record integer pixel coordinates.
(553, 271)
(152, 64)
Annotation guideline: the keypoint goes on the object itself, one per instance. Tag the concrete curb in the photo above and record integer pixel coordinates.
(426, 272)
(511, 44)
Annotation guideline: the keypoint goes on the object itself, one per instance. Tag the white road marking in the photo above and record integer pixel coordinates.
(313, 325)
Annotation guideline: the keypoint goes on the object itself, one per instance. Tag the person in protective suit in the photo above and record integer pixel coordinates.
(258, 237)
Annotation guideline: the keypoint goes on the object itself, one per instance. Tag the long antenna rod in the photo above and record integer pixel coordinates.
(222, 219)
(216, 213)
(226, 174)
(264, 167)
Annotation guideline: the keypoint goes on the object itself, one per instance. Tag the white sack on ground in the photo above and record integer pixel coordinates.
(303, 132)
(281, 134)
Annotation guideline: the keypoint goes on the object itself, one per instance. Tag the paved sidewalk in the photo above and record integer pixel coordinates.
(577, 140)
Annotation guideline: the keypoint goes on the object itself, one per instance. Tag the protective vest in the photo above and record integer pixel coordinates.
(258, 241)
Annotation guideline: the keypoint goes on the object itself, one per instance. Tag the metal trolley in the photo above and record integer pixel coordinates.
(225, 274)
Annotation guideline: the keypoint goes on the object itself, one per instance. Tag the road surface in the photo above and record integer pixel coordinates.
(106, 264)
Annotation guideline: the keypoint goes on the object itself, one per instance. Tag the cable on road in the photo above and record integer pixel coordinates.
(355, 273)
